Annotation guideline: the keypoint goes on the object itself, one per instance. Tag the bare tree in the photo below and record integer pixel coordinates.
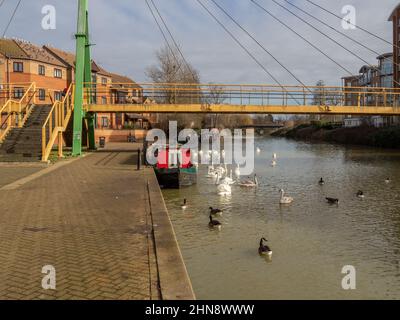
(214, 95)
(171, 68)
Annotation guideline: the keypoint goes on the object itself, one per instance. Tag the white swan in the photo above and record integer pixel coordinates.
(223, 189)
(228, 180)
(237, 171)
(249, 183)
(273, 163)
(258, 150)
(274, 157)
(285, 200)
(211, 173)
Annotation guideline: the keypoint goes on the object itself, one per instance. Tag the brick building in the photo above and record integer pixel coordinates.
(22, 62)
(395, 19)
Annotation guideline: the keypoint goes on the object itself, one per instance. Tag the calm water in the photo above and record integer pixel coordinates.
(311, 240)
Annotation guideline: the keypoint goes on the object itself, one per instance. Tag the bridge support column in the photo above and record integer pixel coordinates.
(82, 75)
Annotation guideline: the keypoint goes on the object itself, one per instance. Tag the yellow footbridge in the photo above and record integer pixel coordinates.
(16, 101)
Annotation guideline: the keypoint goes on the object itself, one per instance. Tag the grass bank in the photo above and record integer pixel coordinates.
(388, 137)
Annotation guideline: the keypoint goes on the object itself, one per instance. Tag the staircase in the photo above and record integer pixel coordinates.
(25, 144)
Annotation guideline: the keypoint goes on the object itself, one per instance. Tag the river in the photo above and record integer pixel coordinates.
(311, 240)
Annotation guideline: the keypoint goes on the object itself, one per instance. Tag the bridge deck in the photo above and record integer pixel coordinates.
(252, 109)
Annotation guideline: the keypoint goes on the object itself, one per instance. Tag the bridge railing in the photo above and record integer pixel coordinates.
(56, 123)
(237, 94)
(15, 111)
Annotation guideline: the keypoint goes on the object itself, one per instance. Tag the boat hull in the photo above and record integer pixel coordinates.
(176, 178)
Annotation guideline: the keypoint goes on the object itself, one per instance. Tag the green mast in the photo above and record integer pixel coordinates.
(83, 76)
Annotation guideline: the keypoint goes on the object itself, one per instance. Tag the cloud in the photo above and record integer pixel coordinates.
(125, 36)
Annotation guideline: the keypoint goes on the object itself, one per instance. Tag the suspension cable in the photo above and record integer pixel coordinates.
(330, 38)
(258, 43)
(174, 41)
(164, 36)
(12, 18)
(299, 35)
(244, 48)
(352, 24)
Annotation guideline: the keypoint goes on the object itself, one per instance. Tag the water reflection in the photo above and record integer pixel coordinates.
(310, 239)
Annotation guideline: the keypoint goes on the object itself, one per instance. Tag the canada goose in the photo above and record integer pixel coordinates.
(215, 224)
(285, 200)
(332, 200)
(215, 211)
(184, 205)
(264, 249)
(249, 183)
(387, 180)
(360, 194)
(321, 182)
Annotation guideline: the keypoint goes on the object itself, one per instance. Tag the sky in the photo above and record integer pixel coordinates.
(125, 36)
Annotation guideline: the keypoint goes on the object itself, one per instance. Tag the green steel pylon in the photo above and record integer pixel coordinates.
(83, 78)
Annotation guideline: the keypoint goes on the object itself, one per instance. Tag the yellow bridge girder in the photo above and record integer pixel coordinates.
(249, 109)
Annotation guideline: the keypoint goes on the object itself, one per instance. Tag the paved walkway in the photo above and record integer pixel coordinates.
(89, 219)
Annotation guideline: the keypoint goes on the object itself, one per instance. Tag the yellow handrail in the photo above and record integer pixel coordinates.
(14, 107)
(56, 123)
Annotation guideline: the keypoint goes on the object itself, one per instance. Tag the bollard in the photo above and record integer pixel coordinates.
(138, 159)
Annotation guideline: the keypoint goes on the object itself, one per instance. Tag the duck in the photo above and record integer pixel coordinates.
(387, 180)
(321, 182)
(263, 249)
(332, 200)
(215, 224)
(360, 194)
(285, 200)
(215, 211)
(249, 183)
(184, 204)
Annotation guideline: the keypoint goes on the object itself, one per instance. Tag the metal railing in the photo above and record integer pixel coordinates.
(56, 123)
(15, 112)
(241, 94)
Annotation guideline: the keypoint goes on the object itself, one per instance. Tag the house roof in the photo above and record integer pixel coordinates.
(117, 78)
(394, 12)
(37, 53)
(385, 55)
(10, 49)
(69, 59)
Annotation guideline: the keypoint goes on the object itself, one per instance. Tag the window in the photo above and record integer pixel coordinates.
(58, 95)
(42, 94)
(104, 81)
(104, 122)
(18, 93)
(57, 73)
(42, 70)
(104, 100)
(18, 67)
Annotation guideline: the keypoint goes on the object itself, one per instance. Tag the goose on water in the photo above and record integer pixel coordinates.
(284, 199)
(387, 180)
(332, 200)
(264, 249)
(321, 182)
(215, 224)
(215, 211)
(184, 205)
(360, 194)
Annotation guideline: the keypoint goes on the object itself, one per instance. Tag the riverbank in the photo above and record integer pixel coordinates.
(98, 221)
(388, 137)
